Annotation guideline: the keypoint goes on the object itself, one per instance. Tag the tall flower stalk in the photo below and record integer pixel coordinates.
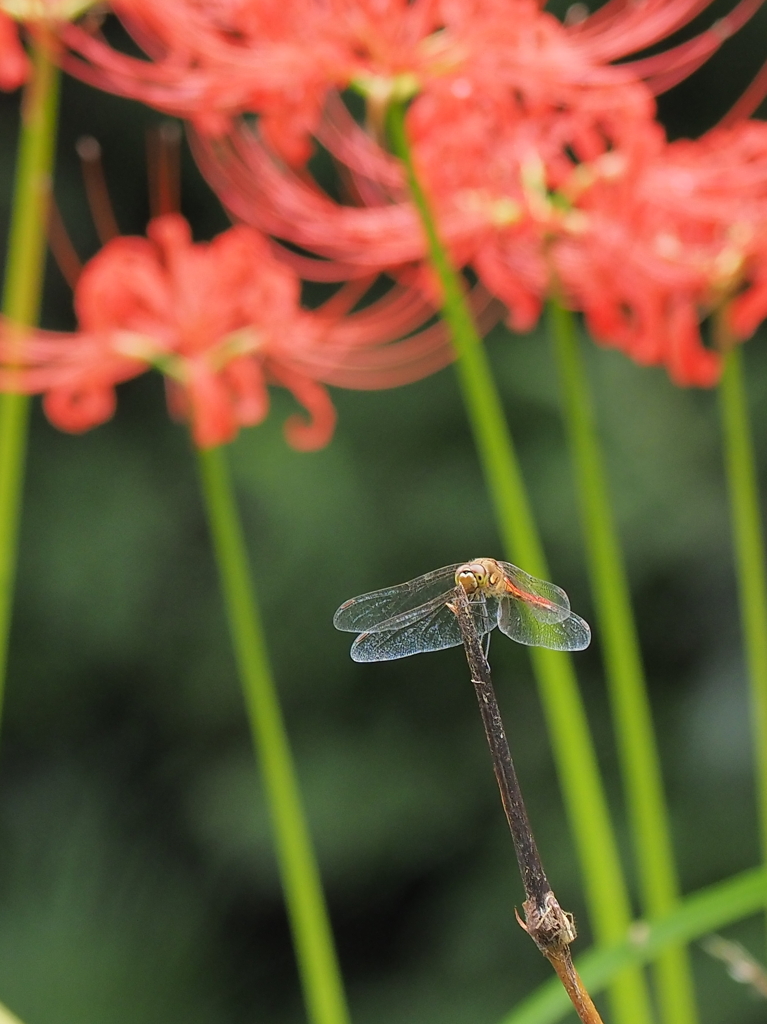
(748, 542)
(21, 302)
(637, 746)
(585, 800)
(312, 934)
(6, 1017)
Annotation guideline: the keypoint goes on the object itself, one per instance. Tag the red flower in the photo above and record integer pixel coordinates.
(210, 61)
(513, 89)
(221, 320)
(513, 93)
(655, 246)
(276, 57)
(517, 126)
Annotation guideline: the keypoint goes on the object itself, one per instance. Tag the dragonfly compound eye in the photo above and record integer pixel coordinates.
(472, 576)
(466, 577)
(479, 572)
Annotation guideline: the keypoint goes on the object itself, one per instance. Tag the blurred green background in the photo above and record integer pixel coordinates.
(137, 881)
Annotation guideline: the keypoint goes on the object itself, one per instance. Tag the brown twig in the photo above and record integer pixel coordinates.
(551, 928)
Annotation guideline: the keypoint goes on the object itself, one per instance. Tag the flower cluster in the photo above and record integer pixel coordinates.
(221, 320)
(680, 234)
(548, 174)
(541, 157)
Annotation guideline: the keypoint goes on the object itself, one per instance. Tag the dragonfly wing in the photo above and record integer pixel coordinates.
(371, 612)
(519, 622)
(434, 629)
(486, 611)
(546, 601)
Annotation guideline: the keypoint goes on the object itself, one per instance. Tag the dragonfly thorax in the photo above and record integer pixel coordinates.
(483, 575)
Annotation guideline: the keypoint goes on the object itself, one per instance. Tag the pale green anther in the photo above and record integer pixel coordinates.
(583, 177)
(383, 91)
(533, 176)
(560, 202)
(40, 10)
(505, 211)
(404, 87)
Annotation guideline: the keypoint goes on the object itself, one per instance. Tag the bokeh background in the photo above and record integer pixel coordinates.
(137, 881)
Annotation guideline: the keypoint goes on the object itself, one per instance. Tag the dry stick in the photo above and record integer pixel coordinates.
(551, 928)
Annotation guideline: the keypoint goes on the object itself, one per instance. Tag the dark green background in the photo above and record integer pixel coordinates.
(137, 881)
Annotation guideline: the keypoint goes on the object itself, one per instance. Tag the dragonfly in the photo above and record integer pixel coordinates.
(416, 617)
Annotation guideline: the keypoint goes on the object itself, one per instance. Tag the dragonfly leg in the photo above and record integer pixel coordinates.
(487, 645)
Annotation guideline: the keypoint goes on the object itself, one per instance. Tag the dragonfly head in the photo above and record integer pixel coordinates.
(483, 574)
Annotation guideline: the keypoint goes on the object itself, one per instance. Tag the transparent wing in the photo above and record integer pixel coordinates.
(369, 612)
(518, 621)
(431, 627)
(547, 602)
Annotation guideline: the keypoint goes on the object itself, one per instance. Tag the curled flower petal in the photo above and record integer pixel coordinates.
(518, 275)
(121, 286)
(247, 387)
(210, 409)
(316, 432)
(14, 63)
(746, 311)
(77, 409)
(689, 363)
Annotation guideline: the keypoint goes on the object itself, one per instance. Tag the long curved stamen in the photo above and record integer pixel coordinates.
(102, 212)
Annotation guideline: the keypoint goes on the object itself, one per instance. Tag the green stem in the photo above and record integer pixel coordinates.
(312, 934)
(637, 746)
(21, 304)
(573, 749)
(694, 916)
(6, 1017)
(749, 559)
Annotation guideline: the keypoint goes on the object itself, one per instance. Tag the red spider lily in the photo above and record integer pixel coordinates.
(515, 89)
(220, 320)
(658, 245)
(521, 96)
(514, 114)
(568, 184)
(209, 61)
